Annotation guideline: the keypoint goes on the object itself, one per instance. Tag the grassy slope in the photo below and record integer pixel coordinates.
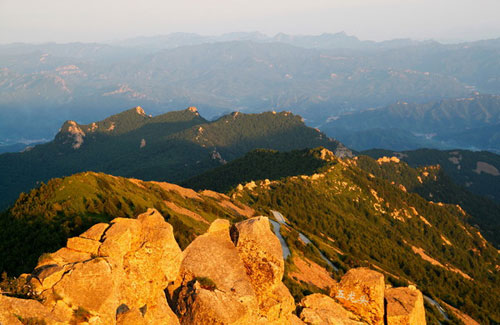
(41, 220)
(258, 164)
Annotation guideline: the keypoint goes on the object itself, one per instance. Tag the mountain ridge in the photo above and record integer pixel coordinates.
(172, 146)
(470, 122)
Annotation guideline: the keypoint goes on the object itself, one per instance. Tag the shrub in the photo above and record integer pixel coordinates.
(206, 283)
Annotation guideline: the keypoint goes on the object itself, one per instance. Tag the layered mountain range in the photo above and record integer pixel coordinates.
(472, 122)
(173, 146)
(318, 77)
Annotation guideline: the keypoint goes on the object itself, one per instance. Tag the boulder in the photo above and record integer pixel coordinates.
(89, 286)
(14, 309)
(85, 245)
(277, 306)
(361, 291)
(404, 306)
(261, 254)
(95, 232)
(130, 317)
(321, 309)
(213, 286)
(127, 263)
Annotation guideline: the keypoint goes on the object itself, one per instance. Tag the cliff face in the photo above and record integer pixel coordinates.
(132, 271)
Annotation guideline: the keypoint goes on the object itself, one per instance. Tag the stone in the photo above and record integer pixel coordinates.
(294, 320)
(215, 307)
(277, 305)
(95, 232)
(132, 266)
(49, 275)
(152, 262)
(27, 309)
(158, 311)
(118, 239)
(361, 291)
(67, 256)
(321, 309)
(90, 285)
(405, 306)
(219, 225)
(213, 258)
(85, 245)
(130, 317)
(260, 251)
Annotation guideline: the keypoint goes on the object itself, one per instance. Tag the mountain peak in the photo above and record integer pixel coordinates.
(193, 109)
(140, 111)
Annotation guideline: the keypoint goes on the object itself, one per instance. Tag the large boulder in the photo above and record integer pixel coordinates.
(261, 253)
(361, 291)
(110, 272)
(232, 275)
(213, 286)
(405, 306)
(321, 309)
(262, 256)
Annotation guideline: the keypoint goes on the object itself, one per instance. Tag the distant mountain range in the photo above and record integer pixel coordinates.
(323, 41)
(472, 122)
(172, 146)
(315, 76)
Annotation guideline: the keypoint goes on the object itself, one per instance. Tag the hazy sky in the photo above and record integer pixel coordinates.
(101, 20)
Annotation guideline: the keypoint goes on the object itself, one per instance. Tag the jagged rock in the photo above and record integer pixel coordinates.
(277, 306)
(118, 239)
(95, 232)
(118, 273)
(90, 286)
(128, 263)
(11, 308)
(84, 245)
(361, 291)
(321, 309)
(213, 286)
(66, 256)
(49, 275)
(294, 320)
(405, 306)
(260, 251)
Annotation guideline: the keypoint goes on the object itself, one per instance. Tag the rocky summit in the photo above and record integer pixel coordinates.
(132, 271)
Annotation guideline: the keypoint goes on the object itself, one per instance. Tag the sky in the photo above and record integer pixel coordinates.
(107, 20)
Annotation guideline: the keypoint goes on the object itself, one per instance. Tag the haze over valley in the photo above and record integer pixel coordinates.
(319, 77)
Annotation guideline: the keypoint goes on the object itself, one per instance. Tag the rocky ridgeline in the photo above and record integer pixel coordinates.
(132, 271)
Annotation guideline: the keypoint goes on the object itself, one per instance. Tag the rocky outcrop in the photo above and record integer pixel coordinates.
(361, 291)
(110, 272)
(13, 310)
(132, 271)
(229, 276)
(213, 286)
(321, 309)
(404, 306)
(261, 254)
